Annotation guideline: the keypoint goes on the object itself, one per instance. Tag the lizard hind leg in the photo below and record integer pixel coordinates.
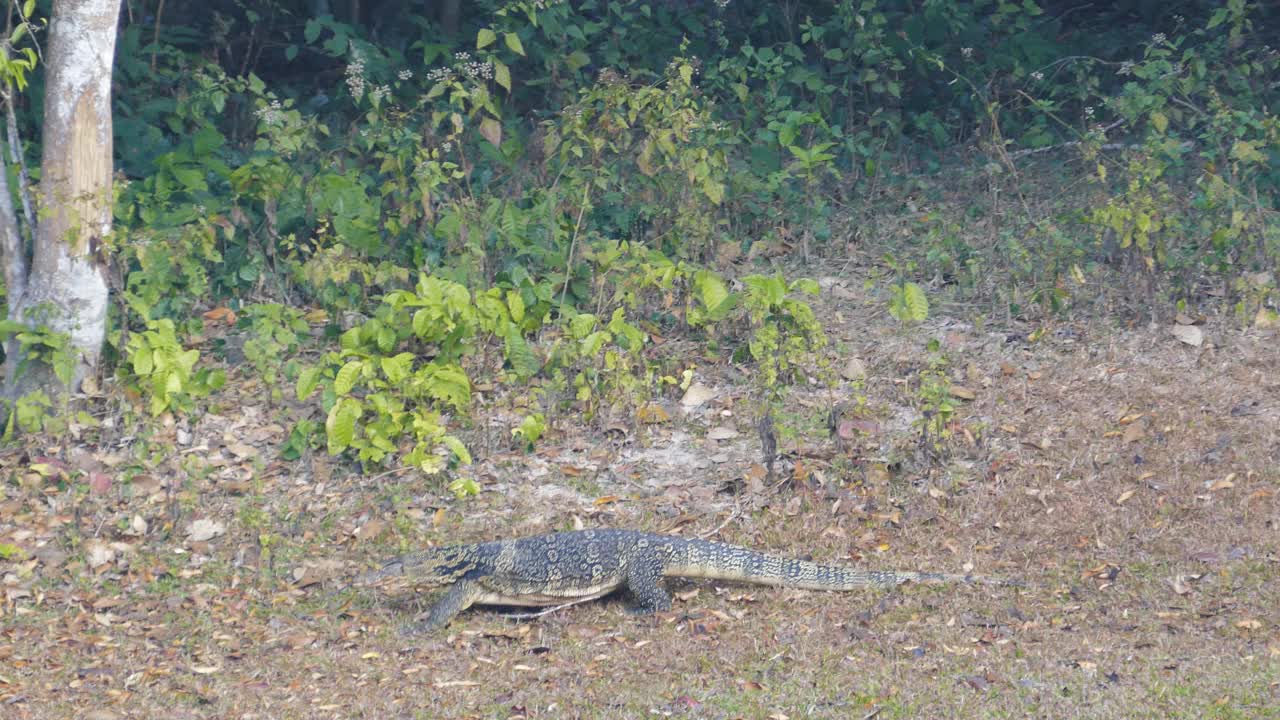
(645, 588)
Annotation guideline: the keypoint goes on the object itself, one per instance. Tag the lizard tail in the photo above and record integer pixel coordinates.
(720, 561)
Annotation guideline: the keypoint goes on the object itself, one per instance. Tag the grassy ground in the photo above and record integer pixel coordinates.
(1129, 479)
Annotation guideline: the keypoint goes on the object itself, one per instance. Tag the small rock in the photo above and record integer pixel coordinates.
(204, 529)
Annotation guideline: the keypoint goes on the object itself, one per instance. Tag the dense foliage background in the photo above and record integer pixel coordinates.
(393, 201)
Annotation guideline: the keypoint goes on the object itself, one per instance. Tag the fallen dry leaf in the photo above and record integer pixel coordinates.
(722, 432)
(370, 530)
(205, 529)
(697, 395)
(854, 369)
(1224, 483)
(1181, 583)
(98, 553)
(99, 483)
(221, 314)
(652, 414)
(1188, 334)
(1134, 433)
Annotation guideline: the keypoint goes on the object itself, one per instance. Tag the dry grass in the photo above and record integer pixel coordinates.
(1151, 556)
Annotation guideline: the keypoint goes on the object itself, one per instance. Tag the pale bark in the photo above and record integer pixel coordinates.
(67, 288)
(11, 244)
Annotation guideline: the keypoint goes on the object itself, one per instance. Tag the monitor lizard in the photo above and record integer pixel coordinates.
(571, 567)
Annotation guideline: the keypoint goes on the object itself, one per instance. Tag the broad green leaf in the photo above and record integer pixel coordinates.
(592, 343)
(577, 59)
(1246, 151)
(347, 376)
(447, 383)
(909, 304)
(515, 303)
(142, 361)
(386, 339)
(513, 42)
(485, 38)
(581, 325)
(765, 290)
(398, 368)
(350, 340)
(459, 450)
(518, 353)
(340, 426)
(716, 300)
(807, 286)
(714, 190)
(502, 75)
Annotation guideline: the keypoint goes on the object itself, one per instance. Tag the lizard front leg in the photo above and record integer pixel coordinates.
(459, 597)
(645, 587)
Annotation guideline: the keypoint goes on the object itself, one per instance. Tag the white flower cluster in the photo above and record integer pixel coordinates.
(271, 113)
(405, 74)
(966, 52)
(610, 76)
(1126, 68)
(1037, 76)
(355, 74)
(1158, 38)
(378, 93)
(478, 70)
(722, 4)
(441, 74)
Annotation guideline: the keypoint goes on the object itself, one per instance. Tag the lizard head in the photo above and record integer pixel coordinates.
(433, 568)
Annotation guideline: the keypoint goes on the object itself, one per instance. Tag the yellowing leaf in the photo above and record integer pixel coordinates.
(513, 42)
(502, 75)
(652, 414)
(492, 131)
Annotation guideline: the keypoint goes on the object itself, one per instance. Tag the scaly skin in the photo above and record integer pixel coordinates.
(569, 567)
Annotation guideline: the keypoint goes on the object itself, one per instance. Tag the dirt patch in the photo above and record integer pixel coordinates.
(1130, 479)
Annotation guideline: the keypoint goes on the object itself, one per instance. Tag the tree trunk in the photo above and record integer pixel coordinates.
(67, 287)
(450, 16)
